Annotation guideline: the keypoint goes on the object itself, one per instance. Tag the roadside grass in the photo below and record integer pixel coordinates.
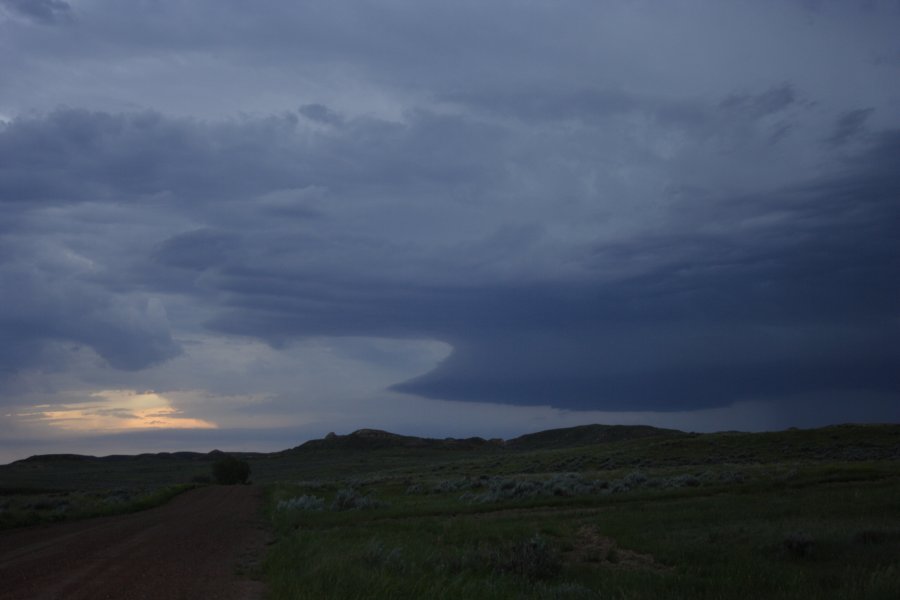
(793, 514)
(810, 530)
(30, 508)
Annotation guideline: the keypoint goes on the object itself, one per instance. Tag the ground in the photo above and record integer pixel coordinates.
(586, 513)
(199, 545)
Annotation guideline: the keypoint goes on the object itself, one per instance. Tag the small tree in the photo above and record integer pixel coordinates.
(229, 470)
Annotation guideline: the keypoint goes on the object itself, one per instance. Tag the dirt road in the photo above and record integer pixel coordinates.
(191, 548)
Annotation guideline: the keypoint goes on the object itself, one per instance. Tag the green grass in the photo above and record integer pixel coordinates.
(727, 544)
(726, 535)
(31, 507)
(794, 514)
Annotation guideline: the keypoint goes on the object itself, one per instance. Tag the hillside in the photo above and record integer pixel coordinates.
(362, 452)
(370, 439)
(568, 437)
(586, 435)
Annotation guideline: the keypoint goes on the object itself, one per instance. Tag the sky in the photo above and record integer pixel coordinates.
(243, 225)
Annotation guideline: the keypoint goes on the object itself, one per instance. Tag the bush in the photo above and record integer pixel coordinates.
(685, 480)
(500, 489)
(302, 503)
(350, 499)
(416, 488)
(230, 470)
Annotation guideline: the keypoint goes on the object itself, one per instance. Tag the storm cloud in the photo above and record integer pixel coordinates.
(41, 11)
(621, 207)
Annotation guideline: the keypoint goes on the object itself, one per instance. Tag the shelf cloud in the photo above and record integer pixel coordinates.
(616, 208)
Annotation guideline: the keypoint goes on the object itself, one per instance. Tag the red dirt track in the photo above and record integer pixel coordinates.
(190, 548)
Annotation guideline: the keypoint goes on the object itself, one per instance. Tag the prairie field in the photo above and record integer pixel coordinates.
(791, 515)
(592, 512)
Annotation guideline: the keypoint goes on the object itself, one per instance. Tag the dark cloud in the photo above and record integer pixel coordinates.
(42, 11)
(727, 298)
(537, 104)
(585, 105)
(199, 249)
(801, 304)
(804, 305)
(87, 279)
(79, 155)
(849, 125)
(42, 304)
(592, 206)
(402, 42)
(321, 113)
(605, 206)
(759, 105)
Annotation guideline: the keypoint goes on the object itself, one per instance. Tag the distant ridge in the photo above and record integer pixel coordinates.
(582, 435)
(852, 435)
(362, 439)
(586, 435)
(375, 439)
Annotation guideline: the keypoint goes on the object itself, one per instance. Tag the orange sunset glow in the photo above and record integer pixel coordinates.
(118, 410)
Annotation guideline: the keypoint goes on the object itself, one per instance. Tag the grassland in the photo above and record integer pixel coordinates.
(801, 514)
(63, 487)
(585, 513)
(24, 507)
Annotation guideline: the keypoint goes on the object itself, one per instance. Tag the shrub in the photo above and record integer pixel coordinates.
(561, 484)
(230, 470)
(350, 499)
(617, 487)
(302, 503)
(685, 480)
(635, 479)
(568, 484)
(731, 477)
(456, 485)
(416, 488)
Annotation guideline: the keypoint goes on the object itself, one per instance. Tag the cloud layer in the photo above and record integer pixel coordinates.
(617, 207)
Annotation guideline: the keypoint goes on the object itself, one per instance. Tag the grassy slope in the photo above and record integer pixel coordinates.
(32, 507)
(729, 515)
(721, 545)
(808, 514)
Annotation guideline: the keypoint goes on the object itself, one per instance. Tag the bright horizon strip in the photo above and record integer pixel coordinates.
(120, 410)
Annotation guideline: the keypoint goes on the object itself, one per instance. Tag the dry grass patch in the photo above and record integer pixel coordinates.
(590, 547)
